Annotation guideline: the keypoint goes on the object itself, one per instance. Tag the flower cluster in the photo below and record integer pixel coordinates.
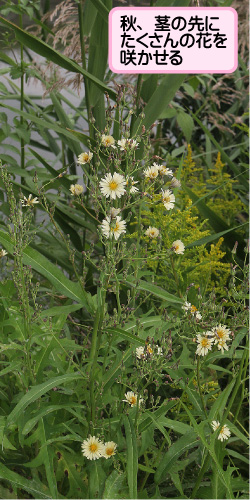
(93, 448)
(148, 350)
(155, 170)
(217, 336)
(131, 398)
(224, 432)
(193, 310)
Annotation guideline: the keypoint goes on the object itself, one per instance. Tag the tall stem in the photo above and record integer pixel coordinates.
(22, 101)
(83, 52)
(199, 386)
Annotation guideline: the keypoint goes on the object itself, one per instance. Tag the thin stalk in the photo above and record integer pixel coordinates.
(175, 277)
(238, 382)
(200, 476)
(138, 94)
(199, 386)
(83, 52)
(22, 101)
(133, 293)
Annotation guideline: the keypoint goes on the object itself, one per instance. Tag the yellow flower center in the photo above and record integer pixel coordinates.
(166, 199)
(133, 400)
(193, 309)
(176, 247)
(205, 342)
(116, 228)
(220, 333)
(109, 451)
(113, 185)
(93, 447)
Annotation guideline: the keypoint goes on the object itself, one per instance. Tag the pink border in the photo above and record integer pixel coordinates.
(175, 71)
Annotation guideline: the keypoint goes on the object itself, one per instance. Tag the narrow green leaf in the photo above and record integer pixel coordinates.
(221, 401)
(126, 336)
(132, 456)
(43, 266)
(115, 486)
(53, 55)
(155, 290)
(35, 487)
(37, 391)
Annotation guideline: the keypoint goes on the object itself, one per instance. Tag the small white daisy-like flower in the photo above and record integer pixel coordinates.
(152, 232)
(222, 346)
(108, 141)
(186, 306)
(159, 350)
(175, 183)
(204, 345)
(224, 432)
(131, 398)
(164, 170)
(151, 172)
(130, 181)
(178, 247)
(92, 448)
(109, 449)
(3, 253)
(113, 228)
(76, 189)
(168, 199)
(126, 144)
(194, 311)
(113, 186)
(85, 158)
(221, 333)
(140, 352)
(215, 424)
(29, 202)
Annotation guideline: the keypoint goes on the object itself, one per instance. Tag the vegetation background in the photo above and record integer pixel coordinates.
(74, 306)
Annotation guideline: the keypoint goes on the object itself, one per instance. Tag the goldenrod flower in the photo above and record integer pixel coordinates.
(114, 227)
(131, 398)
(29, 202)
(113, 186)
(85, 158)
(92, 448)
(178, 247)
(109, 449)
(76, 189)
(204, 345)
(108, 141)
(152, 232)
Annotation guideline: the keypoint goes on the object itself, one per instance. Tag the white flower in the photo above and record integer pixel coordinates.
(133, 189)
(131, 398)
(168, 199)
(151, 172)
(193, 310)
(76, 189)
(113, 186)
(186, 306)
(108, 141)
(140, 352)
(92, 448)
(221, 333)
(152, 232)
(204, 345)
(127, 144)
(222, 346)
(178, 247)
(85, 158)
(164, 170)
(29, 202)
(113, 228)
(109, 449)
(175, 183)
(3, 253)
(224, 432)
(159, 350)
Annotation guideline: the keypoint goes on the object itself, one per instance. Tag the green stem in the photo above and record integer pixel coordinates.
(133, 292)
(22, 102)
(83, 51)
(200, 476)
(199, 386)
(238, 382)
(138, 94)
(175, 276)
